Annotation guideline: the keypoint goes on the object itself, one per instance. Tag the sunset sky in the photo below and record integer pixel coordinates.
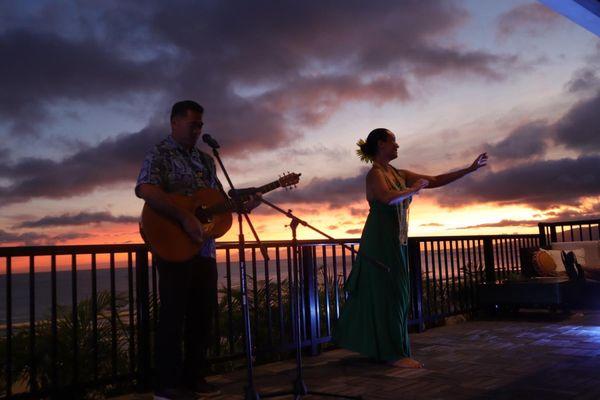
(87, 87)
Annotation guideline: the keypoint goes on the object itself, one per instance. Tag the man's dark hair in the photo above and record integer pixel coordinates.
(181, 108)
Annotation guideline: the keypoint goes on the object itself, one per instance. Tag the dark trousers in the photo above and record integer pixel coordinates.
(188, 302)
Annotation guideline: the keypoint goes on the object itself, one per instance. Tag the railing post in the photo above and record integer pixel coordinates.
(143, 320)
(488, 259)
(542, 233)
(414, 263)
(311, 301)
(553, 237)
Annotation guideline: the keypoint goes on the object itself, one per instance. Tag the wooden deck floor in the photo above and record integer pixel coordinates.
(530, 357)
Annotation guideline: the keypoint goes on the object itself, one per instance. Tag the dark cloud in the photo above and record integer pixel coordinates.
(532, 18)
(39, 69)
(570, 214)
(583, 79)
(335, 192)
(111, 161)
(37, 239)
(579, 128)
(528, 176)
(4, 153)
(325, 94)
(588, 212)
(359, 212)
(526, 142)
(321, 55)
(432, 224)
(436, 60)
(354, 231)
(539, 184)
(119, 159)
(260, 70)
(83, 218)
(503, 223)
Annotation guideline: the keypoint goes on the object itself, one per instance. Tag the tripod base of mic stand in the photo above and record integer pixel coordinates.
(301, 390)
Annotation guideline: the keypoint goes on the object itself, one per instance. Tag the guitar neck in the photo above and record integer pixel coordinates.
(229, 205)
(268, 187)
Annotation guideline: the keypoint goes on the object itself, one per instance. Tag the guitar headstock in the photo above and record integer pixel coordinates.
(289, 180)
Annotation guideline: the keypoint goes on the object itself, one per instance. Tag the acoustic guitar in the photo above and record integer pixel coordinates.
(170, 242)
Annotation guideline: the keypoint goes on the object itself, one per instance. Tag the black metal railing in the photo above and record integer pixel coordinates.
(76, 317)
(447, 270)
(569, 231)
(67, 323)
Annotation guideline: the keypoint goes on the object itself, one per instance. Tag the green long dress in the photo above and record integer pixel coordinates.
(374, 319)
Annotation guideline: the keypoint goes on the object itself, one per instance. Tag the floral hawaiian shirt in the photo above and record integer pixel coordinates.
(179, 170)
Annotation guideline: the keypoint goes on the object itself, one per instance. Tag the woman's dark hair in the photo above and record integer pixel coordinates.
(181, 108)
(369, 147)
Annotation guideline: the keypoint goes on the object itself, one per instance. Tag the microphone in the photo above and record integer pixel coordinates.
(206, 138)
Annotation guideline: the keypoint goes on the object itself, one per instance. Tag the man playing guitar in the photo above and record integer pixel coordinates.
(188, 290)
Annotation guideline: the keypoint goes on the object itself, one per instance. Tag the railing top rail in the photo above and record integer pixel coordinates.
(574, 222)
(472, 237)
(25, 251)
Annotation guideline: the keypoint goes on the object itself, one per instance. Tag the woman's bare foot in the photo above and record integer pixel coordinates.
(406, 363)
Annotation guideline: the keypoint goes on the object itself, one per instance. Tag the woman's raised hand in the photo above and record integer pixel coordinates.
(481, 161)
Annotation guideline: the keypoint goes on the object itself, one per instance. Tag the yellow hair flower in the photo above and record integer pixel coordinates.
(361, 154)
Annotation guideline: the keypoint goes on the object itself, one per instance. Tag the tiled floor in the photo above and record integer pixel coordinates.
(530, 357)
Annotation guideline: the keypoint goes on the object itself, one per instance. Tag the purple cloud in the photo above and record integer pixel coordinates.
(335, 192)
(579, 129)
(331, 53)
(37, 239)
(83, 218)
(540, 184)
(533, 18)
(526, 142)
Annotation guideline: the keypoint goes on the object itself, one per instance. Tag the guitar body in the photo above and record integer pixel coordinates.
(170, 242)
(166, 237)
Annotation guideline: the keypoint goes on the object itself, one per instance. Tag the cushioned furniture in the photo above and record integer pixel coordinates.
(588, 255)
(536, 262)
(591, 248)
(553, 292)
(558, 291)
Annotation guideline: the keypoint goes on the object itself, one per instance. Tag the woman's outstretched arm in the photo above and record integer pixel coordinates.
(444, 179)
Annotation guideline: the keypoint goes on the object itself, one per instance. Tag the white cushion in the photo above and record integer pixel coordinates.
(591, 249)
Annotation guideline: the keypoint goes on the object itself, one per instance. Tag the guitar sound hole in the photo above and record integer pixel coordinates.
(202, 215)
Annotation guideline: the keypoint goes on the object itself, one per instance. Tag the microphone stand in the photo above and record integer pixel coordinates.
(250, 392)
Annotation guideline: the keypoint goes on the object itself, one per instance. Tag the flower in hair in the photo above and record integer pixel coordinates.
(361, 154)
